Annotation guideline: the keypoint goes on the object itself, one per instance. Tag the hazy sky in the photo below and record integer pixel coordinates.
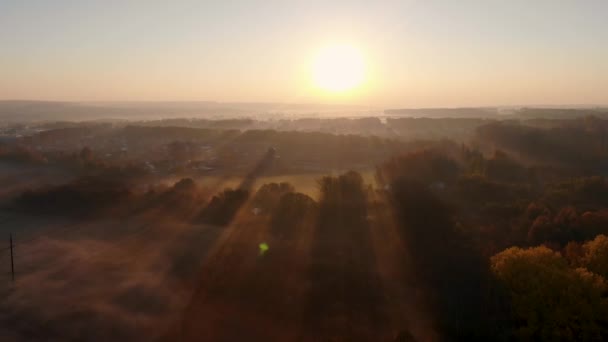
(418, 53)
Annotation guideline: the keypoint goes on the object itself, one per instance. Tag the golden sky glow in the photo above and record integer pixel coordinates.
(399, 53)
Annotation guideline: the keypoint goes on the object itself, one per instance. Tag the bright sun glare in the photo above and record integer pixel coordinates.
(338, 68)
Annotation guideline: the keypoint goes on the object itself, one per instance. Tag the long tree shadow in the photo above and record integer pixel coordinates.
(262, 166)
(345, 300)
(223, 207)
(453, 274)
(227, 262)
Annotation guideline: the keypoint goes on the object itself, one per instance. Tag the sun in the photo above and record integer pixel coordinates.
(338, 68)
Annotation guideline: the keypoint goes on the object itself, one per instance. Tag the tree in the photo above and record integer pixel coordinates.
(573, 252)
(553, 301)
(268, 196)
(293, 211)
(223, 207)
(426, 166)
(595, 255)
(594, 223)
(565, 226)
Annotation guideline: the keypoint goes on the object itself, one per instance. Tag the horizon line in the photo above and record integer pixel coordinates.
(368, 107)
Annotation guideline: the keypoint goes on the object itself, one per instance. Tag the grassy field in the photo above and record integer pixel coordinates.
(305, 182)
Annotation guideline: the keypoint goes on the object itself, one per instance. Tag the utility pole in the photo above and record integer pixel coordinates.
(12, 260)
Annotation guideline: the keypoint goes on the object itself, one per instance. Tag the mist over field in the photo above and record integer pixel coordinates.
(303, 227)
(303, 171)
(23, 111)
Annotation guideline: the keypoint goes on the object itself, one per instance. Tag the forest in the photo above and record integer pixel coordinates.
(487, 230)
